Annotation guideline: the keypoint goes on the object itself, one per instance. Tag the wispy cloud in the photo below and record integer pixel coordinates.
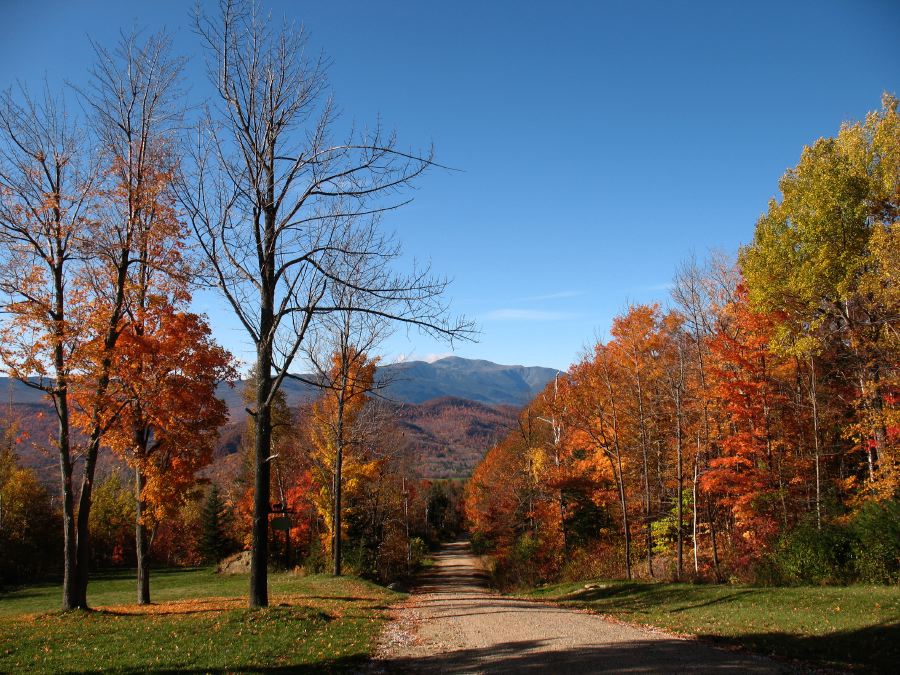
(527, 315)
(560, 295)
(667, 286)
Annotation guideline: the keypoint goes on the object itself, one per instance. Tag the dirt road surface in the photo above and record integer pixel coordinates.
(452, 623)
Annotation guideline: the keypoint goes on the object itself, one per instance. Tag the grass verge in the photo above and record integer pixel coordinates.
(199, 622)
(856, 627)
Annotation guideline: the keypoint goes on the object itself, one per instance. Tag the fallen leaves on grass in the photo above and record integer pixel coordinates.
(193, 606)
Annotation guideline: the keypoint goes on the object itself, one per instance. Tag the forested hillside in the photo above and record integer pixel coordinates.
(449, 434)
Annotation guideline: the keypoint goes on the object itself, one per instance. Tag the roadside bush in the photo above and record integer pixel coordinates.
(418, 550)
(316, 561)
(481, 545)
(520, 567)
(360, 559)
(866, 549)
(807, 555)
(876, 542)
(600, 561)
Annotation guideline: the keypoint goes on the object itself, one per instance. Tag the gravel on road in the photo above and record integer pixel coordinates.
(453, 623)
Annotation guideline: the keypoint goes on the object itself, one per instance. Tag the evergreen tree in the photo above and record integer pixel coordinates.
(214, 542)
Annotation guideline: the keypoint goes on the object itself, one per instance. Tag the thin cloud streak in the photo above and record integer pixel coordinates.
(561, 295)
(656, 287)
(527, 315)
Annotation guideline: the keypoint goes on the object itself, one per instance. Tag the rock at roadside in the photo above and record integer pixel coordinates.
(239, 563)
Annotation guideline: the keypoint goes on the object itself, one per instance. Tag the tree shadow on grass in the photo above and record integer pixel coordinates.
(871, 649)
(631, 596)
(875, 647)
(348, 664)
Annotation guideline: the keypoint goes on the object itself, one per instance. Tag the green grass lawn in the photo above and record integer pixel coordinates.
(198, 623)
(848, 627)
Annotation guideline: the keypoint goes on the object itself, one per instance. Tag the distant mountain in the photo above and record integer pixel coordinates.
(474, 380)
(450, 412)
(420, 381)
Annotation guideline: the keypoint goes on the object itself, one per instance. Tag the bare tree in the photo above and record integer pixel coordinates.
(47, 202)
(279, 206)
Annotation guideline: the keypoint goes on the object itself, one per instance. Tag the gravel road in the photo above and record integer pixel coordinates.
(452, 623)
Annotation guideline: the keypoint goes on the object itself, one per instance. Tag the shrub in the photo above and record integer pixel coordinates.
(876, 545)
(316, 561)
(481, 545)
(418, 550)
(521, 566)
(808, 555)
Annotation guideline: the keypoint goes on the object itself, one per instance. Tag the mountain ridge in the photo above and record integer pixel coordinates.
(420, 381)
(450, 410)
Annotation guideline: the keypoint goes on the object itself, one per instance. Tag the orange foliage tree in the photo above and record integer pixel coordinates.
(753, 474)
(165, 415)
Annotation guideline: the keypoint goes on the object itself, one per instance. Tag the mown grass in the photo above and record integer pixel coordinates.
(199, 622)
(856, 627)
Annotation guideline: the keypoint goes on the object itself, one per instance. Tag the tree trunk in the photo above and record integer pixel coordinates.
(259, 555)
(70, 566)
(694, 508)
(625, 526)
(646, 462)
(712, 535)
(141, 542)
(680, 478)
(83, 531)
(336, 516)
(259, 552)
(63, 438)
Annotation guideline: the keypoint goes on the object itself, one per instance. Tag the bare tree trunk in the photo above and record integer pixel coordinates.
(814, 400)
(338, 480)
(63, 437)
(83, 533)
(259, 556)
(680, 479)
(280, 209)
(710, 513)
(625, 526)
(694, 506)
(70, 586)
(141, 541)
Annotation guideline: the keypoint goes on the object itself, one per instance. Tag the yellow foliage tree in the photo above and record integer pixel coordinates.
(337, 434)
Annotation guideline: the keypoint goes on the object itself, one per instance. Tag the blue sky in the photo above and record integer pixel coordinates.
(600, 143)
